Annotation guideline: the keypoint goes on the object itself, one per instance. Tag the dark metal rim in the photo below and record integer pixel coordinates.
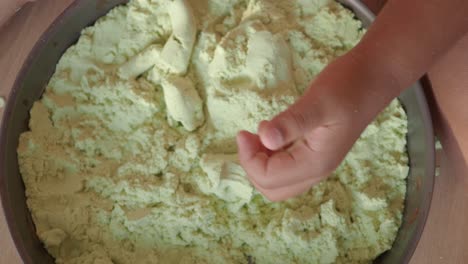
(363, 13)
(6, 203)
(430, 168)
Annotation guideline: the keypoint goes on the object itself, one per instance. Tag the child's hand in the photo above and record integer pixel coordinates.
(304, 144)
(307, 142)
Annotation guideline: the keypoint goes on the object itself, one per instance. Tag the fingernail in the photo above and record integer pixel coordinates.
(274, 139)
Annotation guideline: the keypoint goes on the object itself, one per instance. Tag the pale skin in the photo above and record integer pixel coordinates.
(303, 145)
(9, 7)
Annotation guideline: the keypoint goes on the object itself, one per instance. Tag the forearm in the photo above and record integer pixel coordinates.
(408, 37)
(8, 8)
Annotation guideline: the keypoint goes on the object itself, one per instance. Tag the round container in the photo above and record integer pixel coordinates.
(40, 65)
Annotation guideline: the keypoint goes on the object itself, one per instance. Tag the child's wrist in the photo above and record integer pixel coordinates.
(391, 72)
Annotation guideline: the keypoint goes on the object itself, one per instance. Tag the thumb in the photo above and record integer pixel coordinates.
(292, 124)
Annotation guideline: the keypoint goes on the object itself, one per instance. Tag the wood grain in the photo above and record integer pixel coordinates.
(446, 234)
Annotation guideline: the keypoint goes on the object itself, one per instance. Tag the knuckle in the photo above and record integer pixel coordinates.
(265, 182)
(271, 180)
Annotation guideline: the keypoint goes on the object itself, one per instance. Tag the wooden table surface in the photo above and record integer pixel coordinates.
(445, 239)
